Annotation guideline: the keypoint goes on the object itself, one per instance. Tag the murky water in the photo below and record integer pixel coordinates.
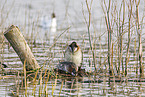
(69, 14)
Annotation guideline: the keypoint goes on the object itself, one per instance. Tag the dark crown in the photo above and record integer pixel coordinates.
(73, 44)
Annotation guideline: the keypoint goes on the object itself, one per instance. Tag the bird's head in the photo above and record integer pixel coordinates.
(53, 15)
(73, 47)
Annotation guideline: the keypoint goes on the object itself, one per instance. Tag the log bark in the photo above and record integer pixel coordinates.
(19, 44)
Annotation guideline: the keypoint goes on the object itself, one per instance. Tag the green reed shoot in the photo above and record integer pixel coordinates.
(25, 77)
(53, 87)
(61, 88)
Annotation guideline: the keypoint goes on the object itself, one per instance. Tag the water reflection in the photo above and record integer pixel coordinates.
(71, 86)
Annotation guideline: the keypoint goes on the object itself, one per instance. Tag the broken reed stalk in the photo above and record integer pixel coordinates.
(88, 27)
(19, 44)
(139, 38)
(129, 28)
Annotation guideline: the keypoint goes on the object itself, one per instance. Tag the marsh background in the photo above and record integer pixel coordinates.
(73, 15)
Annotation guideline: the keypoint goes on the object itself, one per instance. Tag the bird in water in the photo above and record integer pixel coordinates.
(49, 24)
(72, 61)
(73, 54)
(53, 23)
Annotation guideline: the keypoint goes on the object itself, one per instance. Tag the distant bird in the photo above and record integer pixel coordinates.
(53, 23)
(73, 54)
(49, 24)
(67, 68)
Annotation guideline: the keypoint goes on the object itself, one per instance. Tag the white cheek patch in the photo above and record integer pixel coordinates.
(75, 49)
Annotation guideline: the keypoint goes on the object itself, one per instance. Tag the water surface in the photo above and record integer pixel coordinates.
(69, 14)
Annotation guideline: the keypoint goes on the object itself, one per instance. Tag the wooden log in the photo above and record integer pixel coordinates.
(19, 44)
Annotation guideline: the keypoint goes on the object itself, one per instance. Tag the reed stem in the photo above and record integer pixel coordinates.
(129, 36)
(107, 18)
(139, 38)
(88, 28)
(121, 38)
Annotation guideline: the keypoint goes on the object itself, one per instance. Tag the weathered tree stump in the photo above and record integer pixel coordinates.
(19, 44)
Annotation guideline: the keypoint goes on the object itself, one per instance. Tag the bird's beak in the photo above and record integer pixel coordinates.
(72, 50)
